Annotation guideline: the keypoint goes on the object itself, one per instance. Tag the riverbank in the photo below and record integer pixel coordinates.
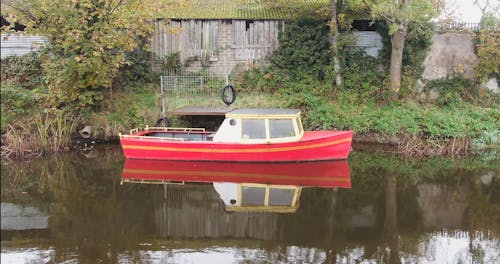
(409, 129)
(455, 122)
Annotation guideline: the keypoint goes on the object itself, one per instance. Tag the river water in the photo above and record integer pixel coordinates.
(75, 208)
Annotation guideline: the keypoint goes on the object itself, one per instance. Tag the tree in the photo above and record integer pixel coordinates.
(488, 65)
(334, 31)
(87, 42)
(398, 14)
(487, 7)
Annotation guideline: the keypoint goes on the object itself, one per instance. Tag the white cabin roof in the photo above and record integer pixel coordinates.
(264, 112)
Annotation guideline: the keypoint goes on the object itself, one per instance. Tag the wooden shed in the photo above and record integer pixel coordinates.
(220, 34)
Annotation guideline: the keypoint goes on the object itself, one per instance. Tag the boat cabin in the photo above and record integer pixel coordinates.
(260, 126)
(239, 126)
(256, 197)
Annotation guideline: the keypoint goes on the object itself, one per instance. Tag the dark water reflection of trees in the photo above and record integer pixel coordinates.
(397, 209)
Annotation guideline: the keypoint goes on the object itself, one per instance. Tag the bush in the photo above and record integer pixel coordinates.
(362, 78)
(451, 90)
(137, 70)
(25, 71)
(488, 53)
(304, 48)
(17, 102)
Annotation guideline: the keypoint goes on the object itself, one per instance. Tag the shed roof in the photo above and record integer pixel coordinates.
(248, 9)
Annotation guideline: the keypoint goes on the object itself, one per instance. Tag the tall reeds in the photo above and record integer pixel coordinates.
(42, 133)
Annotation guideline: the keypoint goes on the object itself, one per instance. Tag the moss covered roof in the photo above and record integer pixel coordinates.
(248, 9)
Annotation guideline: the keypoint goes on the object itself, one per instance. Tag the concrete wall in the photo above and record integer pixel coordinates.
(369, 41)
(450, 54)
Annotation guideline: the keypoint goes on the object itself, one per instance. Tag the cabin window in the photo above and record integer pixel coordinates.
(253, 129)
(279, 128)
(282, 197)
(253, 195)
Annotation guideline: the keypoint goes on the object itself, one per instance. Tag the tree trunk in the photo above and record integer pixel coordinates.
(335, 32)
(398, 42)
(391, 220)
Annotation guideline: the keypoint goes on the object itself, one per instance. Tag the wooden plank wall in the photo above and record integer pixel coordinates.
(252, 40)
(255, 40)
(164, 41)
(189, 37)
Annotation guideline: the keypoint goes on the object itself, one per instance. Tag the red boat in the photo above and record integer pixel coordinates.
(244, 187)
(325, 174)
(246, 135)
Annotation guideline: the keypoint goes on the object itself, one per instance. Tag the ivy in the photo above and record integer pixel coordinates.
(304, 48)
(451, 90)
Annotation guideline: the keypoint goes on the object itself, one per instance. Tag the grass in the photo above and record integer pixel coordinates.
(415, 128)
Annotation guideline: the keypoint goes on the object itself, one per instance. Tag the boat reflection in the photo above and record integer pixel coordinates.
(255, 187)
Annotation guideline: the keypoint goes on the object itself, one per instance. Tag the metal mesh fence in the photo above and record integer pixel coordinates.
(190, 89)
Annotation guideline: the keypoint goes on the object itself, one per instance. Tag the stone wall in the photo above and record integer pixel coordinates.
(450, 54)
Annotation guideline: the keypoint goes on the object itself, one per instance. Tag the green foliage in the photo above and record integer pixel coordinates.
(16, 102)
(488, 54)
(133, 117)
(399, 14)
(462, 120)
(487, 139)
(170, 62)
(87, 43)
(417, 43)
(363, 79)
(137, 70)
(258, 79)
(25, 71)
(451, 90)
(304, 48)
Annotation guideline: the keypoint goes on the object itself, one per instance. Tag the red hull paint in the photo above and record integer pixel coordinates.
(314, 146)
(326, 174)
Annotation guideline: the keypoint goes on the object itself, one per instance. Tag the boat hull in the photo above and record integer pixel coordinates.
(314, 146)
(325, 174)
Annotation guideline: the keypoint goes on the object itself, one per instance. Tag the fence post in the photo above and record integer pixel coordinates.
(163, 98)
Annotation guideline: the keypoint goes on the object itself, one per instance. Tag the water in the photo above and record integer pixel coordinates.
(73, 209)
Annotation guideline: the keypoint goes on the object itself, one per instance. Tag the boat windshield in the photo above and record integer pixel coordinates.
(253, 129)
(279, 128)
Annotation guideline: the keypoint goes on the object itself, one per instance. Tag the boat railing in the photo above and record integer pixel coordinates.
(148, 181)
(175, 129)
(150, 137)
